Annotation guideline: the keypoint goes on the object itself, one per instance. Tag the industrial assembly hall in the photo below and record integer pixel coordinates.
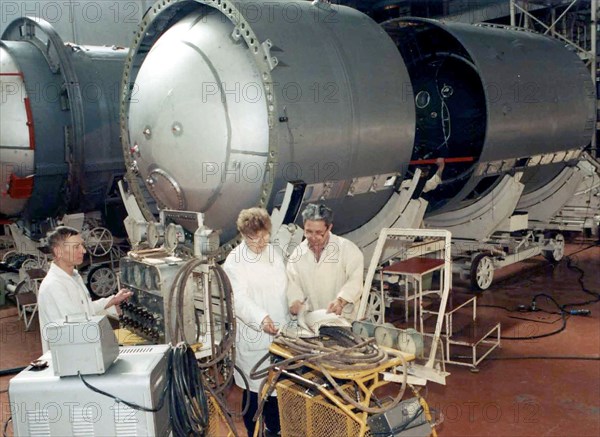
(320, 218)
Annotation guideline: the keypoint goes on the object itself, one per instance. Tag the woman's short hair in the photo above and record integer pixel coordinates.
(59, 235)
(314, 211)
(253, 220)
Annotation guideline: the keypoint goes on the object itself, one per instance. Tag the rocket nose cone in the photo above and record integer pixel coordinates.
(198, 122)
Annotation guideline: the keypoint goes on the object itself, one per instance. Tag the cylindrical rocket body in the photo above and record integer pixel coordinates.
(60, 145)
(226, 109)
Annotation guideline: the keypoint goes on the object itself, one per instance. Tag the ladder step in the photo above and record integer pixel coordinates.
(474, 332)
(460, 321)
(455, 300)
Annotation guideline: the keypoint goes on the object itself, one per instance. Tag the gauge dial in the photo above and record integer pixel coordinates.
(155, 234)
(124, 273)
(138, 276)
(363, 329)
(149, 279)
(410, 341)
(386, 335)
(156, 278)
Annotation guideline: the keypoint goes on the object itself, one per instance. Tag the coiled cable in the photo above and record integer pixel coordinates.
(326, 354)
(184, 391)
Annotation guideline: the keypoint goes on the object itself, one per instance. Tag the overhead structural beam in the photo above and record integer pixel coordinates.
(594, 35)
(515, 6)
(551, 28)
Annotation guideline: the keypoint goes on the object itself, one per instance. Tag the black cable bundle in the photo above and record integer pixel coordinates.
(571, 265)
(187, 399)
(216, 373)
(562, 313)
(188, 403)
(563, 310)
(6, 426)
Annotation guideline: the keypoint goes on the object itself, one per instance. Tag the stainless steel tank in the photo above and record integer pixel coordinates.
(59, 138)
(229, 101)
(510, 99)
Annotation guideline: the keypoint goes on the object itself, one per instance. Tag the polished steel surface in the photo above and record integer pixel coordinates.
(232, 105)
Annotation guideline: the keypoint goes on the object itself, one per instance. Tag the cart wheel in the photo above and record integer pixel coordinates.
(35, 262)
(31, 263)
(482, 272)
(558, 248)
(99, 241)
(25, 286)
(102, 281)
(375, 308)
(10, 256)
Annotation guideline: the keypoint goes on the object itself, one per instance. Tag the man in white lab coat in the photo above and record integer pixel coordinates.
(62, 291)
(325, 271)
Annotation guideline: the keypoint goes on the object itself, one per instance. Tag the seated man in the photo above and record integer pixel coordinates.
(326, 270)
(62, 291)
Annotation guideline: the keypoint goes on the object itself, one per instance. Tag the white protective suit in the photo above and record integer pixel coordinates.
(259, 282)
(338, 273)
(62, 294)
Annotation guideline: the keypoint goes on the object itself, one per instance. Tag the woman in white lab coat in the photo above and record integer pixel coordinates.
(258, 278)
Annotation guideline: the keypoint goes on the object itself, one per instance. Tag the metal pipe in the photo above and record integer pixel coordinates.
(559, 18)
(513, 18)
(594, 37)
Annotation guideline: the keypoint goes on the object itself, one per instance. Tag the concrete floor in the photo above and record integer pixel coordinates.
(555, 393)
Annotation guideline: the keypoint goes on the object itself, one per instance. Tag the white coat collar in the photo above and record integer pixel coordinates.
(57, 271)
